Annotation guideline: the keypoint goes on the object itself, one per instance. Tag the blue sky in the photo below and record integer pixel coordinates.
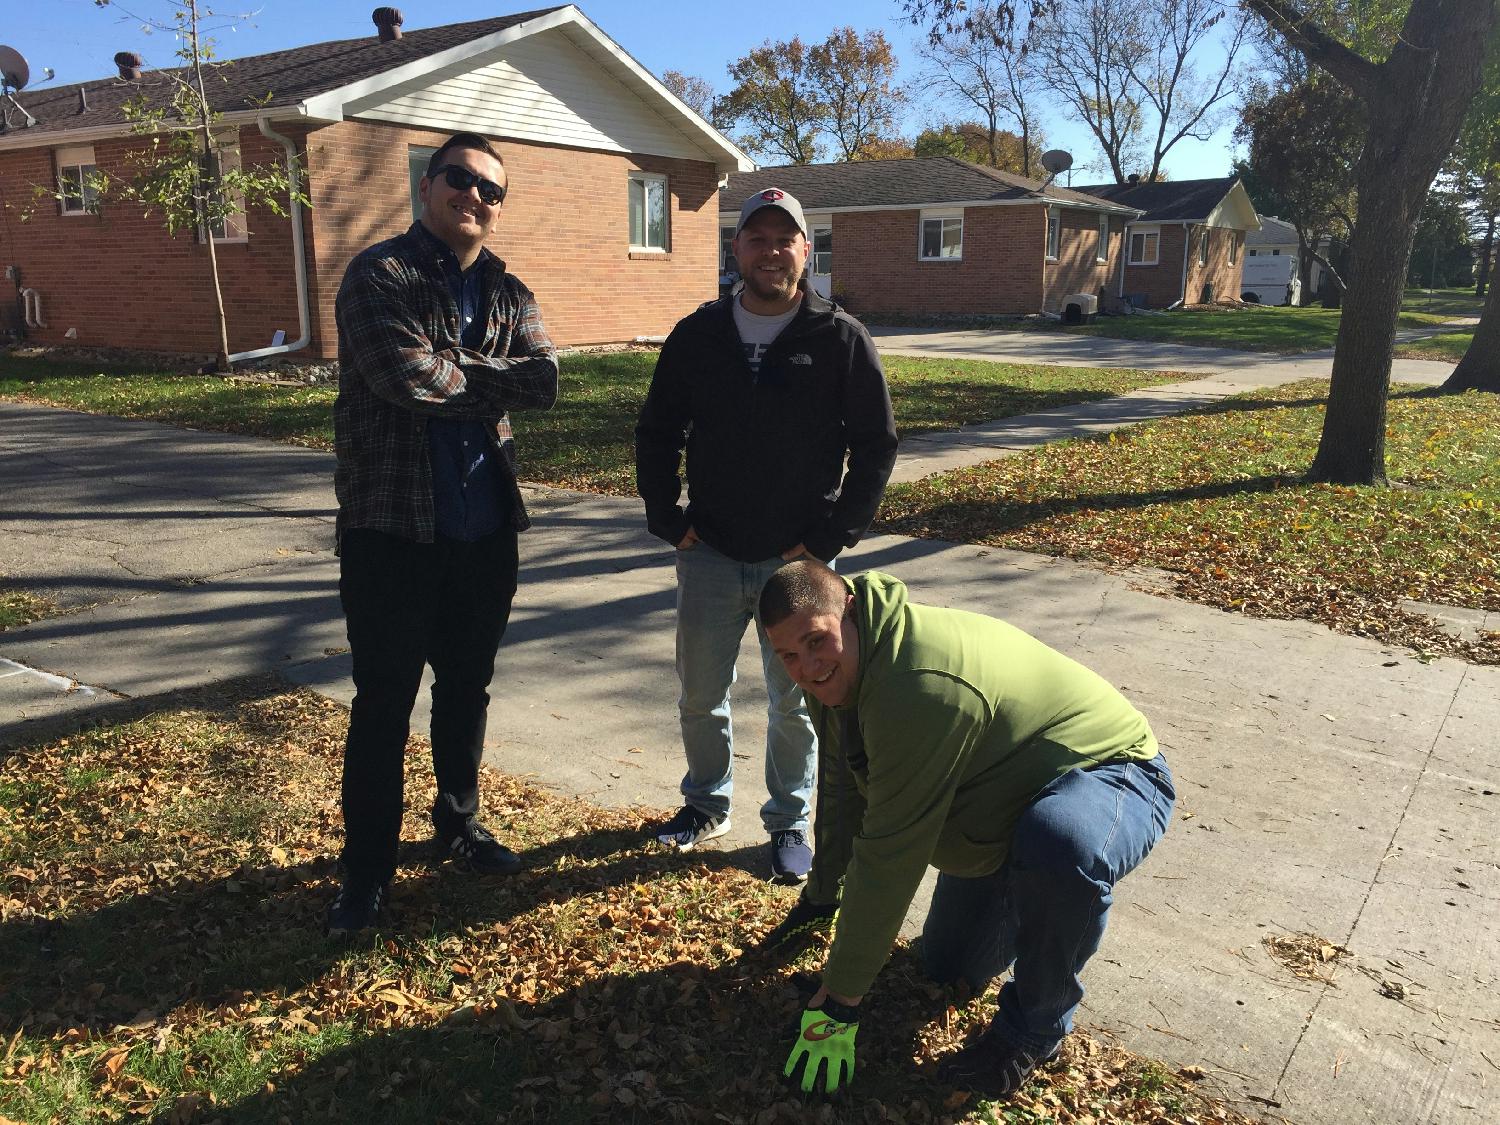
(78, 39)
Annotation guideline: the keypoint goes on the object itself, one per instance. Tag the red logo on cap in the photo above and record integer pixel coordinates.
(771, 195)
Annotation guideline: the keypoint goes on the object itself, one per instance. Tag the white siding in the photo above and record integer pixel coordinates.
(544, 88)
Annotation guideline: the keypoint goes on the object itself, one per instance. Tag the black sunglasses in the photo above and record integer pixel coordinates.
(461, 179)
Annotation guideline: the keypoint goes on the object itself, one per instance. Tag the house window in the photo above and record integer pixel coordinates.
(1054, 232)
(727, 263)
(942, 238)
(1101, 251)
(77, 180)
(1203, 249)
(417, 159)
(822, 251)
(1252, 253)
(1145, 247)
(1234, 248)
(226, 227)
(648, 211)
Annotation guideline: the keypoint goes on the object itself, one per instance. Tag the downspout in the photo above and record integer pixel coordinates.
(1124, 257)
(299, 257)
(1186, 241)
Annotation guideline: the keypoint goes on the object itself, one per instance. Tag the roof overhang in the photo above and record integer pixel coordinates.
(349, 100)
(1036, 201)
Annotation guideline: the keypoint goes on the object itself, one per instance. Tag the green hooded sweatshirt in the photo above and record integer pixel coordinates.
(958, 721)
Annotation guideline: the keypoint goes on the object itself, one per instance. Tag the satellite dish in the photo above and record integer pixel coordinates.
(14, 72)
(1057, 161)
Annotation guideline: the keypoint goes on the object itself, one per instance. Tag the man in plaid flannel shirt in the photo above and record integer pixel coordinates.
(436, 344)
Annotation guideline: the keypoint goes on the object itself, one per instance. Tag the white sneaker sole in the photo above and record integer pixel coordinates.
(712, 834)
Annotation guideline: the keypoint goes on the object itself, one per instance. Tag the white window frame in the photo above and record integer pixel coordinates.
(647, 180)
(417, 159)
(1144, 233)
(75, 169)
(236, 227)
(1101, 251)
(1203, 247)
(945, 219)
(814, 253)
(1054, 233)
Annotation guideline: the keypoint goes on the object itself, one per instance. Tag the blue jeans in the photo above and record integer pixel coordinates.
(1045, 909)
(716, 600)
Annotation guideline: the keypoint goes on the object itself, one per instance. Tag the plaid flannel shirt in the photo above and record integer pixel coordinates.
(401, 362)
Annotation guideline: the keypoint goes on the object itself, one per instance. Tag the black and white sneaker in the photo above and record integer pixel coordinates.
(474, 845)
(791, 858)
(689, 828)
(357, 906)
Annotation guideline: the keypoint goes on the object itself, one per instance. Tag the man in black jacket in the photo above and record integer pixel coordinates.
(768, 389)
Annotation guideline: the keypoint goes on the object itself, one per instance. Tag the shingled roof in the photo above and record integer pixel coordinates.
(1167, 201)
(286, 77)
(901, 183)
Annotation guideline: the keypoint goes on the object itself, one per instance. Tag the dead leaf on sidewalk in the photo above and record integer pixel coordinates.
(1306, 955)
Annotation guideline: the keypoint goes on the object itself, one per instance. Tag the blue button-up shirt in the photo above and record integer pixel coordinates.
(466, 496)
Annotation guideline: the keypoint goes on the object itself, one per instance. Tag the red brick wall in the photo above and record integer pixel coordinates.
(876, 270)
(121, 281)
(1162, 283)
(564, 231)
(1077, 269)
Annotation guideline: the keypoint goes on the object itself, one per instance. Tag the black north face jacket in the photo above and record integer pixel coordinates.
(765, 454)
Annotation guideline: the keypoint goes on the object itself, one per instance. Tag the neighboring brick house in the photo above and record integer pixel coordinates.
(943, 235)
(1187, 246)
(612, 218)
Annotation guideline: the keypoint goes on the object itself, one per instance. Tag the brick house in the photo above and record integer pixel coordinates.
(611, 218)
(942, 235)
(1187, 245)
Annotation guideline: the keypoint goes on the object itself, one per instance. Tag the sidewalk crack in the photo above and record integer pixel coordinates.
(1374, 880)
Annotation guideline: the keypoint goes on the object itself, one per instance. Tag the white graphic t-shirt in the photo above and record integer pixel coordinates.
(758, 333)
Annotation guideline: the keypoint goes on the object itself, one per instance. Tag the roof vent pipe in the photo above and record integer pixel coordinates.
(389, 21)
(130, 65)
(1133, 179)
(83, 99)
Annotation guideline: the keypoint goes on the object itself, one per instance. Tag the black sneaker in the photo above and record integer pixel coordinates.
(791, 858)
(474, 844)
(989, 1066)
(356, 907)
(689, 828)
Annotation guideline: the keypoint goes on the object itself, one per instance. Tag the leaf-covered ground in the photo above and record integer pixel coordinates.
(18, 607)
(1215, 498)
(162, 884)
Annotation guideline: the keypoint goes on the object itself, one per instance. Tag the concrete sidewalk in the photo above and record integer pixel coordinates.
(1327, 785)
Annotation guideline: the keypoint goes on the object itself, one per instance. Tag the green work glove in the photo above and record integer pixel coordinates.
(799, 925)
(827, 1035)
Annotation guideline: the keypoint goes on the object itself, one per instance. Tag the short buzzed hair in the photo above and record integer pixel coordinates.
(461, 140)
(802, 586)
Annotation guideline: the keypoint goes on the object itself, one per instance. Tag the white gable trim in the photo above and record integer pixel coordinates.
(1234, 211)
(390, 85)
(958, 205)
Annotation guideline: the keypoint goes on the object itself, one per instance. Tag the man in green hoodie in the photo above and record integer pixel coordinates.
(957, 740)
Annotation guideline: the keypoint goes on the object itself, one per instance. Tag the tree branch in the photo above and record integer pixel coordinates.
(1320, 48)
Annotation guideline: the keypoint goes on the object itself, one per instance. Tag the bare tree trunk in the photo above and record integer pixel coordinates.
(221, 362)
(1479, 370)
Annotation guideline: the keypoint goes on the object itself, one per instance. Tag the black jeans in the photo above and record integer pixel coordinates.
(408, 604)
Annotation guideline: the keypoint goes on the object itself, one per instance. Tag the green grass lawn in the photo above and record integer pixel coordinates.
(163, 880)
(1215, 499)
(1449, 346)
(1444, 302)
(586, 441)
(18, 607)
(1256, 328)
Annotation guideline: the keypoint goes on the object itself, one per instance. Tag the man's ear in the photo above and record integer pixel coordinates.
(848, 604)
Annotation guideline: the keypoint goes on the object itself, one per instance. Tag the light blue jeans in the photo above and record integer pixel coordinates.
(1046, 907)
(716, 600)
